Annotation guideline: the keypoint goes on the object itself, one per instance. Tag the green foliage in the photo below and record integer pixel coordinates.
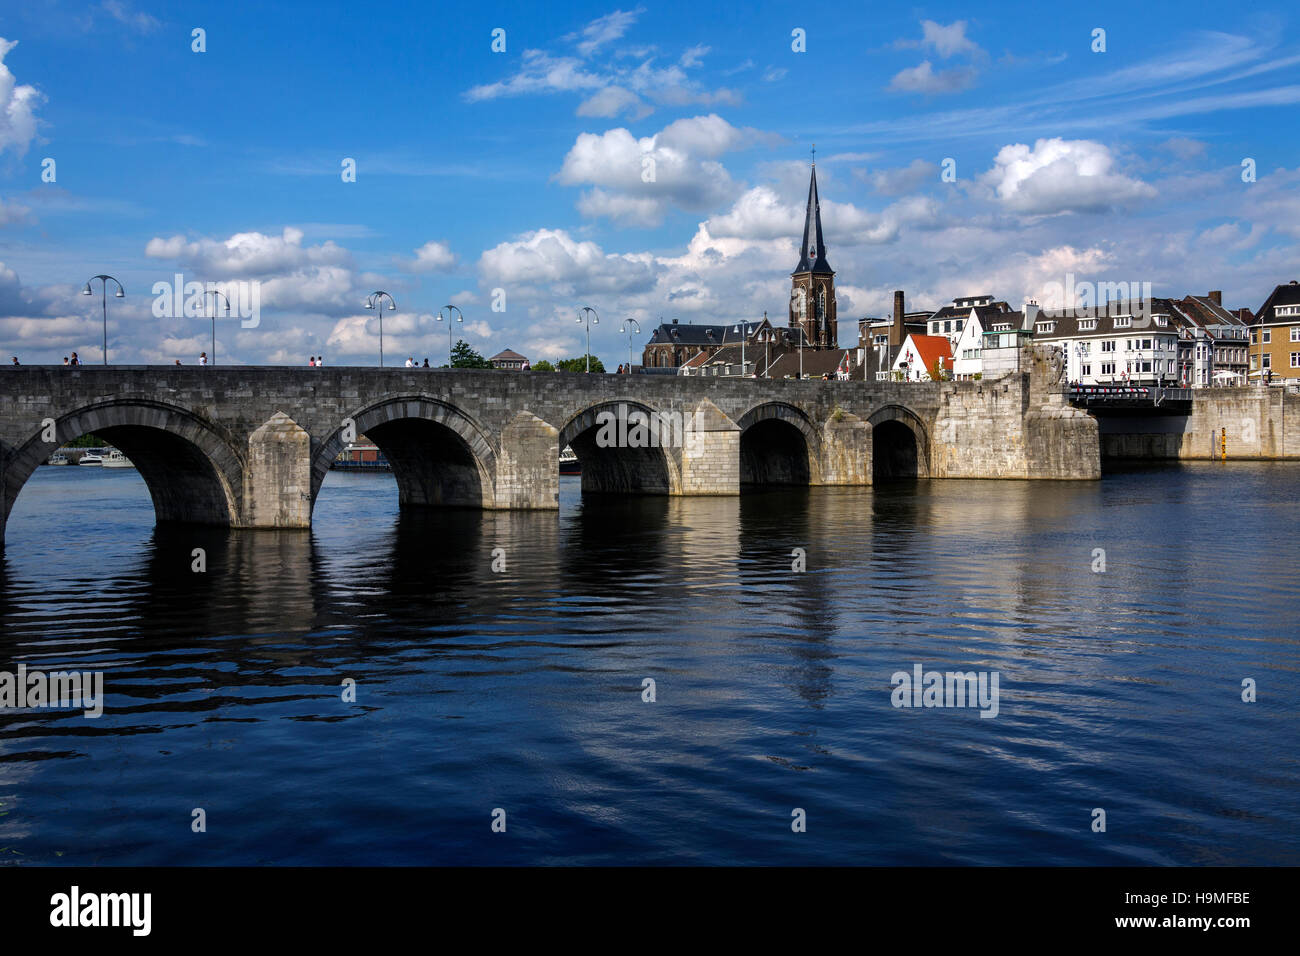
(579, 364)
(462, 356)
(543, 366)
(85, 441)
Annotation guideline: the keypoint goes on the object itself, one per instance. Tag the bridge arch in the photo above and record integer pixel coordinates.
(900, 444)
(779, 445)
(194, 470)
(440, 455)
(650, 469)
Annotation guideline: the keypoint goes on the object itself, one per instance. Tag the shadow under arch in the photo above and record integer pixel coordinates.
(779, 445)
(440, 455)
(900, 444)
(193, 470)
(617, 468)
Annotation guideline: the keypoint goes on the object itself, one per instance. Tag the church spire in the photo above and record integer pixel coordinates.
(812, 255)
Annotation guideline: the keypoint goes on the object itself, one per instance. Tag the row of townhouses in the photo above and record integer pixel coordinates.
(1193, 341)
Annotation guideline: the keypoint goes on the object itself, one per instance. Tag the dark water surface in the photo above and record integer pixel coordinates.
(523, 690)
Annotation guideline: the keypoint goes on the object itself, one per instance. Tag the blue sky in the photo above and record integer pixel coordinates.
(524, 171)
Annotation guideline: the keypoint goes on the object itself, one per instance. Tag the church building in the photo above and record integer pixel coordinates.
(812, 290)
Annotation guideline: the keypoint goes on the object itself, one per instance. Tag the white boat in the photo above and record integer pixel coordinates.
(116, 459)
(58, 458)
(91, 458)
(569, 464)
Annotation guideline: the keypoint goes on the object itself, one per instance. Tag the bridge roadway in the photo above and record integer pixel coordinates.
(248, 446)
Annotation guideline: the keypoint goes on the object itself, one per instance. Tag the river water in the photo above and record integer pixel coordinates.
(520, 689)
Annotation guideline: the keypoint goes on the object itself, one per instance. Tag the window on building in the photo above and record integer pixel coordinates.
(1295, 359)
(1108, 345)
(1295, 333)
(957, 325)
(1123, 321)
(1087, 325)
(1087, 370)
(1146, 366)
(1268, 360)
(934, 328)
(1146, 343)
(1267, 334)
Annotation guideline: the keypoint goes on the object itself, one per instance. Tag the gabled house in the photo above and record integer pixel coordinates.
(921, 356)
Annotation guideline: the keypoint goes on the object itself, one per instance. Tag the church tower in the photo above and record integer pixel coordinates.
(812, 287)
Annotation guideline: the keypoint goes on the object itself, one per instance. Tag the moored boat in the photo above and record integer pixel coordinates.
(569, 464)
(115, 459)
(91, 458)
(58, 458)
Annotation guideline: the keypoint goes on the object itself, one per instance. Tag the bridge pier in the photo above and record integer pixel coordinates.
(277, 478)
(527, 473)
(846, 451)
(710, 453)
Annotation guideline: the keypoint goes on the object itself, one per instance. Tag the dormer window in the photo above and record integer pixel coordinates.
(1045, 327)
(1123, 321)
(1162, 321)
(1087, 325)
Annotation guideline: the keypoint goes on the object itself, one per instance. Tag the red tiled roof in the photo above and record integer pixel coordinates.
(933, 348)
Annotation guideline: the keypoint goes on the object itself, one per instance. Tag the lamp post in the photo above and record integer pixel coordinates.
(120, 293)
(588, 315)
(214, 292)
(741, 329)
(635, 329)
(376, 301)
(460, 317)
(767, 353)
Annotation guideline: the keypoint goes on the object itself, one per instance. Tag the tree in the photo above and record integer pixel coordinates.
(543, 366)
(462, 356)
(579, 364)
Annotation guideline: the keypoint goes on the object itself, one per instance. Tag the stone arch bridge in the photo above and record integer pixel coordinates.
(248, 447)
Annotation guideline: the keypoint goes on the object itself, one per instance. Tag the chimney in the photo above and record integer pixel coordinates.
(1216, 296)
(674, 321)
(1031, 313)
(896, 332)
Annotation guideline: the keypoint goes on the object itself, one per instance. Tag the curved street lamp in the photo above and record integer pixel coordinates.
(376, 301)
(460, 317)
(214, 292)
(588, 315)
(121, 293)
(636, 329)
